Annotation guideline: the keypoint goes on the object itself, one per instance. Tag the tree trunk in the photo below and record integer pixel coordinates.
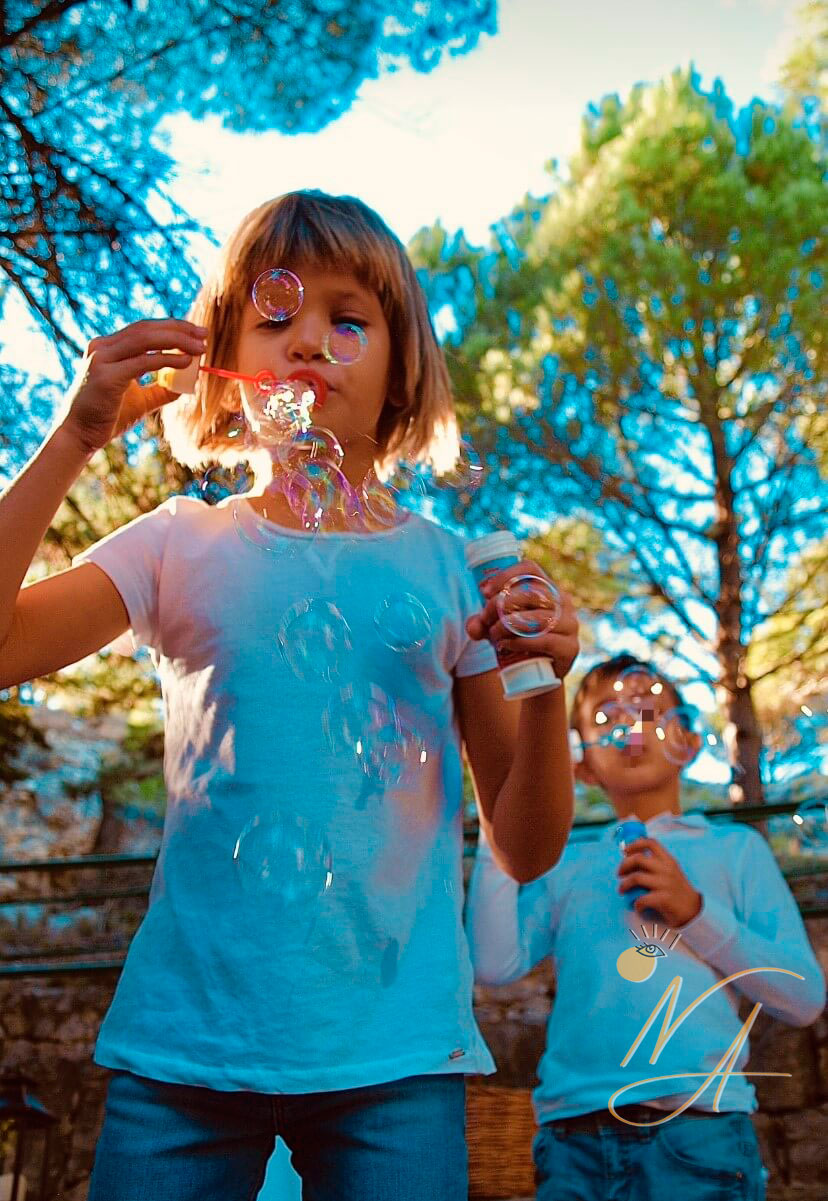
(743, 738)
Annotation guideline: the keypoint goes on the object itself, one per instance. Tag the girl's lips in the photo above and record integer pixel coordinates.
(318, 384)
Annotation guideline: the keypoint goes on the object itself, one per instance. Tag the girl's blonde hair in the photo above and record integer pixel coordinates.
(337, 233)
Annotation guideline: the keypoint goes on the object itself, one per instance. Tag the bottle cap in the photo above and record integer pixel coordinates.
(499, 545)
(529, 677)
(627, 831)
(179, 380)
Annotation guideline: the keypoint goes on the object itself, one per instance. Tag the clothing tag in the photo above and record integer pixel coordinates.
(458, 1054)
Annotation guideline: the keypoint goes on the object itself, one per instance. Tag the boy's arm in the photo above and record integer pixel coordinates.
(509, 927)
(768, 933)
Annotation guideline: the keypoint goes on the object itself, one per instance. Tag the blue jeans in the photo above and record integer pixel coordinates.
(685, 1159)
(403, 1141)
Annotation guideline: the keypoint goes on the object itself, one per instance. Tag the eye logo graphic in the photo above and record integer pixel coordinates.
(638, 963)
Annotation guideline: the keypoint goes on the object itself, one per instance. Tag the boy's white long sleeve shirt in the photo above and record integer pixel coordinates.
(575, 914)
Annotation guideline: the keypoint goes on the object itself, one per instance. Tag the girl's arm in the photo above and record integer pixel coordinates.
(59, 620)
(62, 619)
(519, 759)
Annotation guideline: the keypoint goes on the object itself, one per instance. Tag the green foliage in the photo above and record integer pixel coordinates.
(644, 355)
(805, 72)
(788, 657)
(135, 778)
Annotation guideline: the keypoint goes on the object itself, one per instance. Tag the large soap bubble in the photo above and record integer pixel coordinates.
(529, 605)
(678, 732)
(278, 294)
(345, 344)
(284, 856)
(315, 639)
(357, 708)
(402, 622)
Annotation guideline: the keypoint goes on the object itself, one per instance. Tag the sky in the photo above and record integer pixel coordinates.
(468, 141)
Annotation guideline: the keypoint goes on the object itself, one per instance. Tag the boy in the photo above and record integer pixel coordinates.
(710, 902)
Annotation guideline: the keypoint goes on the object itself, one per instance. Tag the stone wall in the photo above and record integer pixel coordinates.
(49, 1028)
(48, 1024)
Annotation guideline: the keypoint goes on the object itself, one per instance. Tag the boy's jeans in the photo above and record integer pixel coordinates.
(402, 1141)
(685, 1159)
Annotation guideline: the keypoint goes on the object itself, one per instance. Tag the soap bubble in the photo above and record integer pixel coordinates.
(280, 411)
(257, 532)
(404, 488)
(313, 444)
(384, 502)
(278, 294)
(355, 707)
(467, 473)
(345, 343)
(393, 754)
(638, 683)
(362, 719)
(677, 731)
(236, 428)
(314, 639)
(313, 492)
(529, 605)
(811, 826)
(285, 856)
(402, 622)
(615, 720)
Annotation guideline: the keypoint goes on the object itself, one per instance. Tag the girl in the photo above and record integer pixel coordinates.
(301, 970)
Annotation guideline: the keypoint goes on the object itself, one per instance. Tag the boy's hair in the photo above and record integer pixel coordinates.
(338, 233)
(608, 670)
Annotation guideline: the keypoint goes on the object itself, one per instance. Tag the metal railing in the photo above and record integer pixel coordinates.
(11, 965)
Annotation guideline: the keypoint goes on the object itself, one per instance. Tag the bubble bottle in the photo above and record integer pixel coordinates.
(524, 674)
(626, 832)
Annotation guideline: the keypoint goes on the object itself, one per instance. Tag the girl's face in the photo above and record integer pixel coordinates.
(356, 392)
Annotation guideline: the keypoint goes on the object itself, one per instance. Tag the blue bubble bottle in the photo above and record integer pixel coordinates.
(626, 832)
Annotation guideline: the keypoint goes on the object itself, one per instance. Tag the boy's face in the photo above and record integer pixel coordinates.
(634, 749)
(356, 392)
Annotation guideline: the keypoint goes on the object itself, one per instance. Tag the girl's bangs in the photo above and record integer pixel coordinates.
(299, 231)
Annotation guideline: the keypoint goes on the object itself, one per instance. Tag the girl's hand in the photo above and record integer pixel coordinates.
(669, 893)
(559, 644)
(105, 398)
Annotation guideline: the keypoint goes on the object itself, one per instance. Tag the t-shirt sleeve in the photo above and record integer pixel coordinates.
(475, 657)
(131, 556)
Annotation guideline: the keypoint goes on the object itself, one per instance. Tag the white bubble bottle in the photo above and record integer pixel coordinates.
(524, 674)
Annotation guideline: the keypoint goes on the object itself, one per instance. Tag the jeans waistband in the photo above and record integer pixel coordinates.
(600, 1118)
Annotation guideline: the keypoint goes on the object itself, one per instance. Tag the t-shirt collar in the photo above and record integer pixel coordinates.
(662, 822)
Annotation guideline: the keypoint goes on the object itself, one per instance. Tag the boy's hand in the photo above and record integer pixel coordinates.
(105, 398)
(559, 644)
(669, 893)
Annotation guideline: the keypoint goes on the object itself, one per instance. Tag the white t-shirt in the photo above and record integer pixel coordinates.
(230, 987)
